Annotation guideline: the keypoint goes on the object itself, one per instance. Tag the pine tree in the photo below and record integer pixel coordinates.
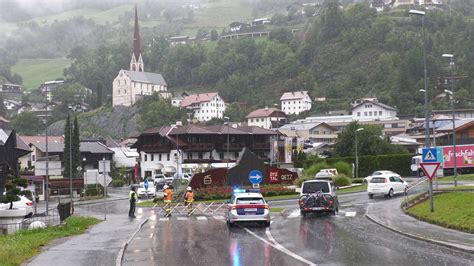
(75, 147)
(3, 110)
(99, 93)
(67, 147)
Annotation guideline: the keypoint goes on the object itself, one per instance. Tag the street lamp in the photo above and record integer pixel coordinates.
(356, 153)
(227, 123)
(451, 93)
(427, 121)
(70, 153)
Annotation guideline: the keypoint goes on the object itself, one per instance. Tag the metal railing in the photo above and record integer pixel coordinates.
(211, 208)
(49, 218)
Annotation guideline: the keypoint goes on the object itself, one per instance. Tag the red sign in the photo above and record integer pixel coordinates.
(430, 169)
(464, 156)
(273, 177)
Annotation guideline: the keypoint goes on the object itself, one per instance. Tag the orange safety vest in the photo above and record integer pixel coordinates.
(168, 194)
(189, 196)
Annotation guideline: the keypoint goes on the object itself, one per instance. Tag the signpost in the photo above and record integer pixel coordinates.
(429, 166)
(255, 177)
(104, 167)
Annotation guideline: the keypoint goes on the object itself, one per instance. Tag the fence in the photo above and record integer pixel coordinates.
(211, 208)
(49, 218)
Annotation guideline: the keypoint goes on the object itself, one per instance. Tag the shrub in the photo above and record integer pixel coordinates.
(93, 190)
(300, 180)
(118, 182)
(343, 168)
(358, 180)
(341, 180)
(313, 169)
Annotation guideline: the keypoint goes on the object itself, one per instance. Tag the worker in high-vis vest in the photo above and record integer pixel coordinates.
(167, 197)
(188, 199)
(132, 197)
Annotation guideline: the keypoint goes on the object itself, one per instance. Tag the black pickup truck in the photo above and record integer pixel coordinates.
(318, 196)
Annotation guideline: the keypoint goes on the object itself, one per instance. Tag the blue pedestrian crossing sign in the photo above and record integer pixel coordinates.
(255, 177)
(429, 155)
(145, 184)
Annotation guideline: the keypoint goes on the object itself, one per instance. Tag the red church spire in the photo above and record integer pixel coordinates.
(136, 36)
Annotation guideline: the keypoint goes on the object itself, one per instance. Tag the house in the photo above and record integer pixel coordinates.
(464, 129)
(267, 118)
(80, 107)
(29, 160)
(125, 157)
(11, 91)
(11, 106)
(199, 147)
(319, 132)
(379, 5)
(175, 40)
(176, 101)
(235, 27)
(205, 106)
(41, 110)
(372, 109)
(260, 21)
(130, 86)
(458, 113)
(295, 102)
(48, 88)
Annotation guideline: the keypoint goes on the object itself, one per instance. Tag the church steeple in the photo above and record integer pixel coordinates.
(136, 63)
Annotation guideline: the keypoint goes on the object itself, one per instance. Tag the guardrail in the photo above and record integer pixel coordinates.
(211, 208)
(49, 218)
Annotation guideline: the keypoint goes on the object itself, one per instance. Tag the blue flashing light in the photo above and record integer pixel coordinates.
(239, 190)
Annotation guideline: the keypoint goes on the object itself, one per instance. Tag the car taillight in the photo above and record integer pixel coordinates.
(301, 202)
(330, 202)
(233, 208)
(29, 203)
(385, 180)
(267, 207)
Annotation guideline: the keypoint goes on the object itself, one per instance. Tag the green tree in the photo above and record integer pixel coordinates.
(214, 35)
(3, 110)
(156, 112)
(67, 148)
(75, 148)
(235, 113)
(27, 123)
(12, 190)
(100, 94)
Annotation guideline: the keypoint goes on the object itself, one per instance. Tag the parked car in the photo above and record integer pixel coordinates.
(247, 206)
(142, 192)
(21, 203)
(318, 196)
(187, 176)
(387, 186)
(380, 173)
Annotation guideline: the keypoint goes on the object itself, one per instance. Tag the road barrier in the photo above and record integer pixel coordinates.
(211, 208)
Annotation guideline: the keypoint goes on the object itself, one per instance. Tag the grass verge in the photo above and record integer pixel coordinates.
(24, 244)
(146, 203)
(361, 188)
(276, 209)
(457, 188)
(459, 178)
(452, 210)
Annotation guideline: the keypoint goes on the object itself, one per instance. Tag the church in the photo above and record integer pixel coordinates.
(130, 86)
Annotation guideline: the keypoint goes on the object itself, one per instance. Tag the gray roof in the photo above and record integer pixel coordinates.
(458, 123)
(376, 103)
(302, 126)
(86, 147)
(146, 77)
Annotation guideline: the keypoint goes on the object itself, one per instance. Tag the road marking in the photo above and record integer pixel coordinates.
(350, 214)
(294, 214)
(201, 218)
(182, 218)
(277, 246)
(219, 217)
(164, 219)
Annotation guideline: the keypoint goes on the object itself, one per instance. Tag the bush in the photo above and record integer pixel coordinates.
(399, 163)
(118, 182)
(300, 180)
(93, 190)
(341, 180)
(313, 169)
(358, 180)
(343, 168)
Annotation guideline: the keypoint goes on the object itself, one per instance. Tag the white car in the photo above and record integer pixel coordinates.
(143, 193)
(387, 186)
(247, 206)
(22, 203)
(380, 173)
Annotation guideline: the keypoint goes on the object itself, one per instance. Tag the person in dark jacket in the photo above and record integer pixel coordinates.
(133, 201)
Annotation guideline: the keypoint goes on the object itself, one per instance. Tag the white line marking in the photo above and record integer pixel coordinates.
(219, 217)
(182, 218)
(279, 247)
(350, 214)
(164, 219)
(201, 218)
(294, 214)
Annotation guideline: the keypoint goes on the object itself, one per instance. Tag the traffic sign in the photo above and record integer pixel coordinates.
(430, 169)
(145, 184)
(255, 177)
(429, 155)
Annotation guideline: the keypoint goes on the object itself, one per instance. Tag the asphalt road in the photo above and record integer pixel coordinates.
(348, 238)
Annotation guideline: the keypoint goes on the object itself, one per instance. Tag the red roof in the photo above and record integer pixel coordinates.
(41, 139)
(266, 112)
(197, 98)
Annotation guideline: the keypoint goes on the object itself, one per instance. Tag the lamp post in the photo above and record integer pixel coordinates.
(47, 160)
(451, 93)
(226, 118)
(357, 153)
(70, 153)
(425, 73)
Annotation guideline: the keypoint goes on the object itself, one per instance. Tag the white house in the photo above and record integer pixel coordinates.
(267, 118)
(315, 131)
(176, 101)
(205, 106)
(11, 105)
(295, 102)
(372, 110)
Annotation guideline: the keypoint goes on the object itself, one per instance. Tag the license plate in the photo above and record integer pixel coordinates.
(251, 210)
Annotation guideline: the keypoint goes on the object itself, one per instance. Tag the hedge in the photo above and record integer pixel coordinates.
(399, 163)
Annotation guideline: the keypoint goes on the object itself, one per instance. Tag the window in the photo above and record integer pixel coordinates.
(33, 158)
(370, 113)
(365, 113)
(358, 113)
(190, 156)
(145, 159)
(236, 155)
(152, 157)
(200, 156)
(159, 157)
(380, 113)
(168, 157)
(119, 82)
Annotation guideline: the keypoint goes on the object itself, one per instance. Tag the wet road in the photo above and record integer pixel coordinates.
(348, 238)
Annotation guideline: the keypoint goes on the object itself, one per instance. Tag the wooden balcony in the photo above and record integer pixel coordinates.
(261, 146)
(199, 147)
(233, 146)
(155, 148)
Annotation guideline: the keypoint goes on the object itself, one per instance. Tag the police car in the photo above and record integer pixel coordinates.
(247, 206)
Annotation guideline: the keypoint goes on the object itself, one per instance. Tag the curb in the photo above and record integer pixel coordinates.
(119, 259)
(458, 247)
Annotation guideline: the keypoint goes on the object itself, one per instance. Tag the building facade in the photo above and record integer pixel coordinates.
(267, 118)
(295, 102)
(204, 106)
(373, 110)
(316, 132)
